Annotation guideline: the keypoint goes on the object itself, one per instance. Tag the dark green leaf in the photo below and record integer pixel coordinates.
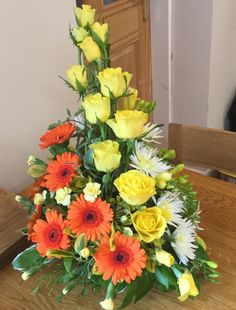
(68, 263)
(161, 278)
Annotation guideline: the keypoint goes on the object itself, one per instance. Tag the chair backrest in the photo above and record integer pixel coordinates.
(205, 147)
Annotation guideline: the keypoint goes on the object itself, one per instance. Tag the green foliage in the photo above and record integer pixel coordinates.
(165, 277)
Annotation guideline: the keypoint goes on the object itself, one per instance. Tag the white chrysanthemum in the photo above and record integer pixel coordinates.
(145, 159)
(184, 241)
(151, 133)
(171, 207)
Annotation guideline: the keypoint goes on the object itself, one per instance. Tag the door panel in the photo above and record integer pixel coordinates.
(129, 26)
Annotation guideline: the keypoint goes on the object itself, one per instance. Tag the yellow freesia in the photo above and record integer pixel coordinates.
(187, 286)
(165, 258)
(79, 34)
(91, 49)
(113, 80)
(77, 72)
(96, 106)
(106, 155)
(149, 223)
(135, 187)
(128, 124)
(129, 101)
(101, 30)
(85, 15)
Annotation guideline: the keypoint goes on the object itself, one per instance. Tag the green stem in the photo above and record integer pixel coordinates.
(79, 56)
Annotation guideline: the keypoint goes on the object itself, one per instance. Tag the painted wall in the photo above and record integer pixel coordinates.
(222, 82)
(35, 49)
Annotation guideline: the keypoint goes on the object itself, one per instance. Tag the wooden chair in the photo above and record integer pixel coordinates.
(204, 147)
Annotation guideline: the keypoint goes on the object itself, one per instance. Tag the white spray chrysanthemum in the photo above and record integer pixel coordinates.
(184, 238)
(146, 160)
(171, 207)
(151, 133)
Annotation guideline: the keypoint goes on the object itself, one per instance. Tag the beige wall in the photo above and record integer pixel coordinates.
(222, 81)
(34, 50)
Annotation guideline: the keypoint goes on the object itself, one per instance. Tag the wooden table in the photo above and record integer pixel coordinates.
(218, 204)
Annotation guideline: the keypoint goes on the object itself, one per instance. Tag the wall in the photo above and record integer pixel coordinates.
(35, 49)
(222, 81)
(191, 43)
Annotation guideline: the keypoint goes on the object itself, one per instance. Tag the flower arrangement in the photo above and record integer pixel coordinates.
(109, 210)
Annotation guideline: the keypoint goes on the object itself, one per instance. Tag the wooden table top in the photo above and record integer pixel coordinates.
(218, 205)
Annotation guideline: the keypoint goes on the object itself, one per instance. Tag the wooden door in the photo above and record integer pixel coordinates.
(129, 25)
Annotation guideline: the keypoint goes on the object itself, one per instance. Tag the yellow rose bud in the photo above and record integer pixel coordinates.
(91, 191)
(113, 80)
(129, 101)
(96, 106)
(38, 199)
(149, 223)
(187, 286)
(161, 184)
(107, 304)
(106, 155)
(79, 34)
(85, 15)
(91, 49)
(77, 73)
(135, 187)
(128, 124)
(63, 196)
(101, 30)
(85, 252)
(165, 258)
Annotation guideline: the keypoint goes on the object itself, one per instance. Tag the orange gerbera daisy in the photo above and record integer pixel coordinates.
(57, 135)
(124, 263)
(32, 221)
(61, 171)
(91, 218)
(49, 234)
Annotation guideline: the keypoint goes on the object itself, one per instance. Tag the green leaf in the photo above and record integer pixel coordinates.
(58, 148)
(59, 253)
(161, 278)
(88, 159)
(27, 259)
(80, 243)
(68, 263)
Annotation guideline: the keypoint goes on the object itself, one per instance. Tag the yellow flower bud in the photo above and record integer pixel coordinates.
(85, 15)
(77, 73)
(149, 223)
(107, 304)
(91, 191)
(25, 276)
(85, 252)
(129, 101)
(63, 196)
(79, 34)
(101, 30)
(187, 286)
(106, 155)
(91, 49)
(38, 199)
(18, 198)
(31, 160)
(128, 124)
(113, 80)
(161, 184)
(96, 106)
(135, 187)
(164, 176)
(165, 258)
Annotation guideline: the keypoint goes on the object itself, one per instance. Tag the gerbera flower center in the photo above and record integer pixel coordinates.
(92, 217)
(65, 172)
(122, 256)
(54, 234)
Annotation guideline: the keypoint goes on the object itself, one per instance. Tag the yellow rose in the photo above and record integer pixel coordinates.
(91, 49)
(187, 286)
(85, 15)
(77, 73)
(79, 34)
(128, 124)
(114, 81)
(106, 155)
(165, 258)
(101, 30)
(149, 223)
(95, 107)
(135, 187)
(129, 101)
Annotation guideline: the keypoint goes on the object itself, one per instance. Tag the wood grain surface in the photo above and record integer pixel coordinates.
(218, 204)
